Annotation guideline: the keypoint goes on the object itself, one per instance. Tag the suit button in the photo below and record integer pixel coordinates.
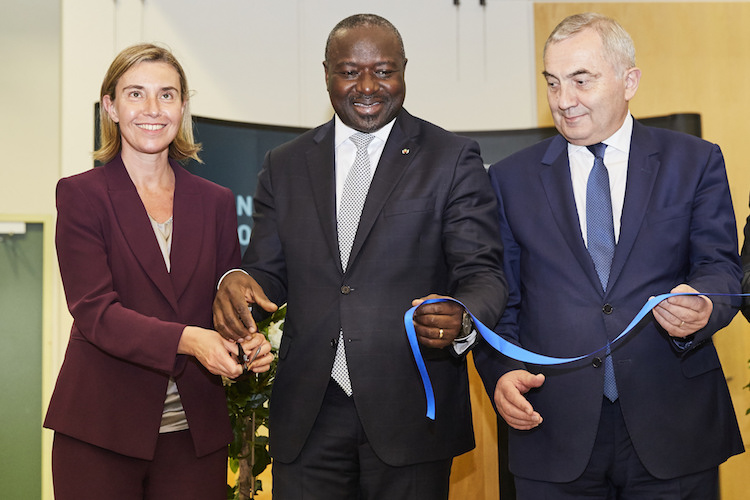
(346, 289)
(596, 362)
(334, 343)
(607, 309)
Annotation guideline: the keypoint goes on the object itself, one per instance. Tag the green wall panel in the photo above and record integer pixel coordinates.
(21, 364)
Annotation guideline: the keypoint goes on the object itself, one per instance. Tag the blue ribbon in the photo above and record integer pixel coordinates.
(513, 351)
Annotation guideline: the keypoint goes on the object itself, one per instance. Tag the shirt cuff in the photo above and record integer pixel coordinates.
(463, 344)
(682, 344)
(227, 273)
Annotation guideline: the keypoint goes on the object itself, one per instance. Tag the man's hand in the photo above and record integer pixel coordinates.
(232, 318)
(510, 402)
(685, 314)
(258, 354)
(438, 324)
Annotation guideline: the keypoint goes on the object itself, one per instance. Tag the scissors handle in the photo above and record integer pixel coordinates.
(243, 358)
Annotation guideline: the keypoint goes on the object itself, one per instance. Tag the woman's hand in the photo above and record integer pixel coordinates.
(211, 350)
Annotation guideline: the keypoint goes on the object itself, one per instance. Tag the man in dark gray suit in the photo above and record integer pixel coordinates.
(348, 408)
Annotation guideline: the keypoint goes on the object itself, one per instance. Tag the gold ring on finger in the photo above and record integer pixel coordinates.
(441, 333)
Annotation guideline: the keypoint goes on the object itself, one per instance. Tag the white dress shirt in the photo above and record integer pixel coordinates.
(346, 151)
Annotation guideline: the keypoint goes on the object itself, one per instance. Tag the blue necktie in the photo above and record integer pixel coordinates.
(600, 238)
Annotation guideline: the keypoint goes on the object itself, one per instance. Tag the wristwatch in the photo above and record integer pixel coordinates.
(467, 326)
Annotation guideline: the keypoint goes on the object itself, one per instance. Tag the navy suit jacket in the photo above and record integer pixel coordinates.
(677, 227)
(745, 256)
(129, 312)
(428, 226)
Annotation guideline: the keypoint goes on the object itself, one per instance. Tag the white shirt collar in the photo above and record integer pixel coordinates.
(343, 132)
(620, 140)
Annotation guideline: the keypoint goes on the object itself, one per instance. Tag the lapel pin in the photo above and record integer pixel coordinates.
(405, 151)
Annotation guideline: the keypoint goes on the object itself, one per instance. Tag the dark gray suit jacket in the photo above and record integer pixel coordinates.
(428, 226)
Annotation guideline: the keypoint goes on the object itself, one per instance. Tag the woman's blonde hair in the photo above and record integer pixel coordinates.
(183, 146)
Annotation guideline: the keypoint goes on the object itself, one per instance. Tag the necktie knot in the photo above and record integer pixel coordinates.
(598, 150)
(361, 140)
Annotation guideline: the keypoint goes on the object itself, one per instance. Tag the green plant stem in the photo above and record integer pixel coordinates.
(246, 480)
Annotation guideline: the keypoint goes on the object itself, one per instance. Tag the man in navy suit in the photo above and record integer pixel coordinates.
(665, 421)
(427, 228)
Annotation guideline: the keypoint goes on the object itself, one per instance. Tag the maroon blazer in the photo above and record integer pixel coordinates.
(129, 312)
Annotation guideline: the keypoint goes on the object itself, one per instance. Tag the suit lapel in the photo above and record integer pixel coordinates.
(136, 227)
(188, 224)
(643, 167)
(558, 186)
(391, 167)
(321, 166)
(400, 149)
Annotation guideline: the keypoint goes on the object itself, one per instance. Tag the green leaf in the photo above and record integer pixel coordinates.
(262, 460)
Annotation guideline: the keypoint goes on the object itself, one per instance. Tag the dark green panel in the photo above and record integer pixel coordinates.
(21, 364)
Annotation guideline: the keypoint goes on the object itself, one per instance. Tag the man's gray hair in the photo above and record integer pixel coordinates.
(618, 46)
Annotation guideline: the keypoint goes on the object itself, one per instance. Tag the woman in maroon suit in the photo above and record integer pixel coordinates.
(139, 410)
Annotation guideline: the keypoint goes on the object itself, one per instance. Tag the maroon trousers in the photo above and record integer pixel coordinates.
(82, 471)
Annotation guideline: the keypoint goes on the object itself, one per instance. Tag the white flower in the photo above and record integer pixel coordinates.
(275, 331)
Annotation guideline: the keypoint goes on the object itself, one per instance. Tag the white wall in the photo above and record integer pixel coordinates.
(263, 63)
(29, 105)
(470, 67)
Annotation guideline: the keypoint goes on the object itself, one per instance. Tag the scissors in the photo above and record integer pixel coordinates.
(244, 359)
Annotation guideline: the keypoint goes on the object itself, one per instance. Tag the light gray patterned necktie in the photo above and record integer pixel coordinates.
(352, 200)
